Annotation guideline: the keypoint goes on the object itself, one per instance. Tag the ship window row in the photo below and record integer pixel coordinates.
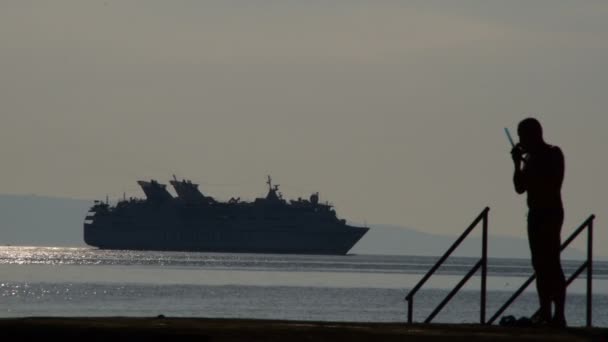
(277, 218)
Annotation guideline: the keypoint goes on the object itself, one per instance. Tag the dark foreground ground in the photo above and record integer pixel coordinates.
(113, 329)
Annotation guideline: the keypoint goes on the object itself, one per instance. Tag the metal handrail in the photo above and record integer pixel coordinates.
(588, 264)
(482, 263)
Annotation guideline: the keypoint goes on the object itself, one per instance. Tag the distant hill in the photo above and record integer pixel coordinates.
(396, 240)
(48, 221)
(41, 221)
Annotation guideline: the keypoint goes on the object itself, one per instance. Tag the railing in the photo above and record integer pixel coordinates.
(482, 263)
(588, 264)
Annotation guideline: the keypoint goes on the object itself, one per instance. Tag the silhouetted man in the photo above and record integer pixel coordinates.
(539, 171)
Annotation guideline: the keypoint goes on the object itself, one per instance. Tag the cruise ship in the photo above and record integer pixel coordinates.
(193, 221)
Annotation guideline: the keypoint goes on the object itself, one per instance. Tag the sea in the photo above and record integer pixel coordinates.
(61, 281)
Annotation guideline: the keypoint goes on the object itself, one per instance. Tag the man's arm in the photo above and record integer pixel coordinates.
(519, 176)
(519, 180)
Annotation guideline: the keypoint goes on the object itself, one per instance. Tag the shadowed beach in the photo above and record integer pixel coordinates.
(202, 329)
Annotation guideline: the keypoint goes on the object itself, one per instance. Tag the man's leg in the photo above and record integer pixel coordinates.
(557, 279)
(535, 230)
(560, 303)
(543, 286)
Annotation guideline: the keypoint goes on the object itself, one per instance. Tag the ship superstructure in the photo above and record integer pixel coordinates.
(192, 221)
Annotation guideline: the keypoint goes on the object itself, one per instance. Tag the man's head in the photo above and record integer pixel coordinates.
(530, 133)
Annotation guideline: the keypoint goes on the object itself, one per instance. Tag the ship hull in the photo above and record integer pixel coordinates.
(282, 240)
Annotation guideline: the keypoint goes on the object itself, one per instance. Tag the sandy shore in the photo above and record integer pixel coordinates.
(200, 329)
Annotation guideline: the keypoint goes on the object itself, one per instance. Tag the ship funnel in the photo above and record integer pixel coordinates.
(187, 191)
(155, 191)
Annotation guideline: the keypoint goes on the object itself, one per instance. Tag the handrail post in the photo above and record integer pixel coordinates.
(589, 272)
(484, 269)
(410, 309)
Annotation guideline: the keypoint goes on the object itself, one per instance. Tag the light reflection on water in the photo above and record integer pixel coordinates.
(83, 281)
(350, 263)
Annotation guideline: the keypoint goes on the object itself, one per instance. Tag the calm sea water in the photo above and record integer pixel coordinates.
(46, 281)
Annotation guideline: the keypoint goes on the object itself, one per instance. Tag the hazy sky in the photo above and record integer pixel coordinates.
(392, 110)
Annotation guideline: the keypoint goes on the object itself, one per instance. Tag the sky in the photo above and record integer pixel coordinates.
(392, 110)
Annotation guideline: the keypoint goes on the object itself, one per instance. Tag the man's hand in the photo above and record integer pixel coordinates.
(517, 154)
